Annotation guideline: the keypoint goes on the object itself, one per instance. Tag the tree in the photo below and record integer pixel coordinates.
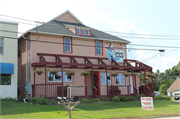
(163, 89)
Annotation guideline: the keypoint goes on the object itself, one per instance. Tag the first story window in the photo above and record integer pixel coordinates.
(103, 78)
(98, 47)
(5, 79)
(58, 77)
(1, 46)
(67, 45)
(120, 79)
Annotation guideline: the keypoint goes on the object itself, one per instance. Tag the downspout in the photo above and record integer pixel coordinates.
(29, 58)
(26, 65)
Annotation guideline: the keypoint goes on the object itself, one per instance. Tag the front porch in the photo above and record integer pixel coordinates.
(93, 64)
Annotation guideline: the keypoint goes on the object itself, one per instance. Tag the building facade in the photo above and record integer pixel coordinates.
(8, 59)
(65, 43)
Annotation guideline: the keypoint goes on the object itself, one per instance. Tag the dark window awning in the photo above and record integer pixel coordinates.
(6, 68)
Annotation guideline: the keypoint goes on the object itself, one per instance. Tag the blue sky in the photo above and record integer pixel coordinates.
(148, 17)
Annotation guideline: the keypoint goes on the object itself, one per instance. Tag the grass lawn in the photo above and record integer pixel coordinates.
(11, 109)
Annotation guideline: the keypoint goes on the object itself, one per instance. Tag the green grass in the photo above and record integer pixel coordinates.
(10, 109)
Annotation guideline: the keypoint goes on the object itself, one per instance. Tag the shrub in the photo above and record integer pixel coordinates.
(138, 97)
(84, 100)
(122, 98)
(52, 102)
(104, 99)
(116, 99)
(42, 101)
(130, 98)
(92, 100)
(97, 100)
(167, 98)
(161, 98)
(135, 98)
(8, 99)
(34, 100)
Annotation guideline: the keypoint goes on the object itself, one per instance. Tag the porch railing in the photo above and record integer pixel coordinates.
(95, 90)
(42, 90)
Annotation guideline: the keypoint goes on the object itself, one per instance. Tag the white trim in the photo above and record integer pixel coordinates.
(67, 45)
(99, 47)
(70, 14)
(75, 36)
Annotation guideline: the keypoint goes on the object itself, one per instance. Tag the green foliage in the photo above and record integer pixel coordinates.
(92, 100)
(54, 71)
(116, 99)
(138, 97)
(114, 74)
(167, 78)
(40, 101)
(130, 98)
(39, 72)
(104, 99)
(97, 100)
(163, 89)
(51, 102)
(122, 98)
(84, 73)
(84, 100)
(161, 98)
(8, 99)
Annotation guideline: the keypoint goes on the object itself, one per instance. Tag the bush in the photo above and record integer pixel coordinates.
(92, 100)
(84, 100)
(8, 99)
(122, 98)
(130, 98)
(40, 101)
(161, 98)
(138, 97)
(52, 102)
(97, 100)
(116, 99)
(135, 98)
(104, 99)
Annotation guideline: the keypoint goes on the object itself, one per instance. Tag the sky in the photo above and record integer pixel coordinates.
(137, 21)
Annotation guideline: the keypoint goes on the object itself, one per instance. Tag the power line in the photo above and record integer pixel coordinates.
(158, 54)
(93, 41)
(104, 31)
(140, 34)
(16, 18)
(77, 44)
(17, 22)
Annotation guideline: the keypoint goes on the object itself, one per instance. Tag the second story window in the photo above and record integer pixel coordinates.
(87, 32)
(83, 32)
(99, 48)
(1, 46)
(67, 45)
(78, 31)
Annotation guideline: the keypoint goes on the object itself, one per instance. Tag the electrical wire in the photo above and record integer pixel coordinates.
(77, 44)
(102, 30)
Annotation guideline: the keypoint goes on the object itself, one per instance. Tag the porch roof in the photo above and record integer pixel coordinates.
(73, 63)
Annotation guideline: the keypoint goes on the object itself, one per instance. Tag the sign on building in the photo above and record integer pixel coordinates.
(111, 52)
(147, 103)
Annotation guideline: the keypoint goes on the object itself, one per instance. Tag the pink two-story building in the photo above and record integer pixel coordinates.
(65, 43)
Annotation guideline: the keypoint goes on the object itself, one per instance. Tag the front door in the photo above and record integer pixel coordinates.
(131, 83)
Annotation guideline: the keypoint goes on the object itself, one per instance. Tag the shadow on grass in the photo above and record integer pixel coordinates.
(9, 107)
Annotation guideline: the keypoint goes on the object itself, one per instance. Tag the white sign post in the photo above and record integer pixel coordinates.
(147, 103)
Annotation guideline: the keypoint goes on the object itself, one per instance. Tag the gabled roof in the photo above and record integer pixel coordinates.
(70, 14)
(59, 28)
(175, 86)
(55, 27)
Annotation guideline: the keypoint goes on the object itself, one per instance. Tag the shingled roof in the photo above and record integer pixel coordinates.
(59, 27)
(175, 86)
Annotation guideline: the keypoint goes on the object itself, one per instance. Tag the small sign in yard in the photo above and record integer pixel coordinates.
(147, 103)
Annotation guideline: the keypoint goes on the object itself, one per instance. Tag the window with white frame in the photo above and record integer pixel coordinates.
(78, 31)
(87, 32)
(1, 46)
(98, 47)
(103, 78)
(83, 32)
(120, 80)
(58, 77)
(67, 45)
